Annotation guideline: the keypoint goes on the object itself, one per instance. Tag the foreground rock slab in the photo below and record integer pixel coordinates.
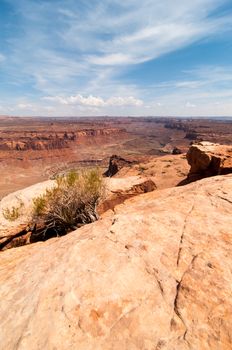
(22, 200)
(155, 274)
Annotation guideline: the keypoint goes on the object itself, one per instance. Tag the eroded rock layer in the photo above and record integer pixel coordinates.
(48, 139)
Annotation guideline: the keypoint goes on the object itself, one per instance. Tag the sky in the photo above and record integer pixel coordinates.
(116, 58)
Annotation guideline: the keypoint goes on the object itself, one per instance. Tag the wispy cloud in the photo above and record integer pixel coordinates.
(73, 53)
(24, 106)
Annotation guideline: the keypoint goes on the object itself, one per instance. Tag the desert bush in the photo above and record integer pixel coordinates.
(12, 214)
(72, 202)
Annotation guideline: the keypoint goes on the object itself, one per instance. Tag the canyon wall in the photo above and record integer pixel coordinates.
(45, 140)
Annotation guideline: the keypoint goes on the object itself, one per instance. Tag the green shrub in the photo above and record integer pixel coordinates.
(39, 205)
(72, 202)
(13, 213)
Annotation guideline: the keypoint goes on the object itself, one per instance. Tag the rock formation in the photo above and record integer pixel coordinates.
(120, 189)
(23, 230)
(48, 139)
(115, 164)
(153, 274)
(209, 159)
(166, 171)
(176, 150)
(17, 232)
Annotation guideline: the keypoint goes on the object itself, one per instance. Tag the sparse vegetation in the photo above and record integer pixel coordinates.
(141, 168)
(12, 214)
(71, 203)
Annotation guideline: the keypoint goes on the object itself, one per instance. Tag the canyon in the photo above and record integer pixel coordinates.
(154, 272)
(36, 149)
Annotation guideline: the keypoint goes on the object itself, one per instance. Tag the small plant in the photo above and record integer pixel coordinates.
(39, 205)
(72, 202)
(12, 214)
(142, 168)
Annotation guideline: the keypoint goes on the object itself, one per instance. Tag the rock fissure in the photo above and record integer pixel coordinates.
(124, 314)
(183, 234)
(176, 299)
(20, 235)
(159, 283)
(225, 199)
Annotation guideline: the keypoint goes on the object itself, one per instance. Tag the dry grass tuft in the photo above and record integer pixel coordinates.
(72, 202)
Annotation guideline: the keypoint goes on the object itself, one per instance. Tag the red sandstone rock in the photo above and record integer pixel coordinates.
(155, 274)
(115, 164)
(209, 159)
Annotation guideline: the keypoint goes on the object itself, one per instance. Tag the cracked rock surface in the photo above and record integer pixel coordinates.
(154, 274)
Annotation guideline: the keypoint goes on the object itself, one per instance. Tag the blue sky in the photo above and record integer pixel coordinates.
(113, 57)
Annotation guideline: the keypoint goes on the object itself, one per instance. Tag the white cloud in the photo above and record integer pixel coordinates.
(124, 101)
(111, 60)
(190, 105)
(93, 101)
(189, 84)
(24, 106)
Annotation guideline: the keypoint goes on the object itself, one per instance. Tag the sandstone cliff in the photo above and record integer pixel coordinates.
(153, 274)
(48, 139)
(209, 159)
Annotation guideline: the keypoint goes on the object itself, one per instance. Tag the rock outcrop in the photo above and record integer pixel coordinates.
(209, 159)
(22, 230)
(115, 164)
(153, 274)
(166, 171)
(176, 150)
(17, 232)
(120, 189)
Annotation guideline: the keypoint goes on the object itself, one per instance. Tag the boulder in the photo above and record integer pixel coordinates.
(176, 150)
(209, 159)
(153, 274)
(120, 189)
(115, 164)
